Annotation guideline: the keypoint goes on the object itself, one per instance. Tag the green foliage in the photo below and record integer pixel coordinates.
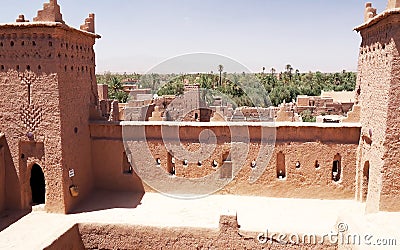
(242, 88)
(115, 90)
(307, 116)
(171, 88)
(287, 86)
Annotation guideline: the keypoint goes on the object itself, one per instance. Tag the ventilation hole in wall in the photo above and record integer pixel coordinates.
(66, 56)
(17, 67)
(185, 163)
(12, 43)
(62, 45)
(81, 47)
(49, 56)
(83, 68)
(298, 165)
(253, 164)
(39, 67)
(33, 43)
(66, 45)
(75, 130)
(158, 162)
(22, 156)
(50, 44)
(1, 44)
(28, 67)
(72, 67)
(72, 56)
(214, 164)
(65, 68)
(2, 67)
(316, 164)
(22, 43)
(199, 164)
(59, 55)
(86, 68)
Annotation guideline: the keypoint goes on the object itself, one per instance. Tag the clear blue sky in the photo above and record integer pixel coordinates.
(138, 34)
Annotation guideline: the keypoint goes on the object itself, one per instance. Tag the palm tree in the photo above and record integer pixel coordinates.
(289, 70)
(273, 71)
(263, 70)
(220, 69)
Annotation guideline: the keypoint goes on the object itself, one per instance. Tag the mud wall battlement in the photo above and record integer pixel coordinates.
(305, 154)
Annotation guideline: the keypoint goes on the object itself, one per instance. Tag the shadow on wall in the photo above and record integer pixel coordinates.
(9, 217)
(102, 200)
(10, 198)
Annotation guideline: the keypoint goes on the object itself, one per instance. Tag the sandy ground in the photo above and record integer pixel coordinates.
(255, 214)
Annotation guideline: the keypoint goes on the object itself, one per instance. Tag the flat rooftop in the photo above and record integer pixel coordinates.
(255, 214)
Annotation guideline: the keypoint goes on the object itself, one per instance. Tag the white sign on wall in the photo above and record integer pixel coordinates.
(71, 173)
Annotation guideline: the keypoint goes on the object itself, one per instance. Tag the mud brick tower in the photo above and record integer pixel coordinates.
(49, 94)
(378, 93)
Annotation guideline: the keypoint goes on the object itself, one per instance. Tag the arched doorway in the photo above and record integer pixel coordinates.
(38, 186)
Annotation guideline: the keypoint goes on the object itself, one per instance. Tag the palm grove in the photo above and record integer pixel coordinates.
(282, 86)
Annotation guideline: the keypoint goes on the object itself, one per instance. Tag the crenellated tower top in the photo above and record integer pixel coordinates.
(392, 4)
(50, 13)
(369, 12)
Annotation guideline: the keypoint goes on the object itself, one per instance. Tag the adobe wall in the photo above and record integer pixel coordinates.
(97, 236)
(47, 131)
(2, 178)
(78, 100)
(378, 95)
(71, 239)
(62, 96)
(306, 144)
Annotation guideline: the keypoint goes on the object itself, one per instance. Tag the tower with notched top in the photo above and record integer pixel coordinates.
(49, 94)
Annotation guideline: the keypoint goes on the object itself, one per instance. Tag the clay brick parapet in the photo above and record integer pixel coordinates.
(393, 4)
(51, 13)
(369, 12)
(89, 24)
(348, 133)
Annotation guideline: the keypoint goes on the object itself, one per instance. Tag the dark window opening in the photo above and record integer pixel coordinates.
(38, 185)
(28, 67)
(317, 164)
(158, 162)
(214, 164)
(365, 181)
(12, 43)
(185, 163)
(253, 164)
(280, 166)
(336, 168)
(298, 165)
(170, 164)
(75, 130)
(127, 167)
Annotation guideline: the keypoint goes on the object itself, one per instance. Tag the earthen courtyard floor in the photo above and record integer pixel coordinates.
(255, 214)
